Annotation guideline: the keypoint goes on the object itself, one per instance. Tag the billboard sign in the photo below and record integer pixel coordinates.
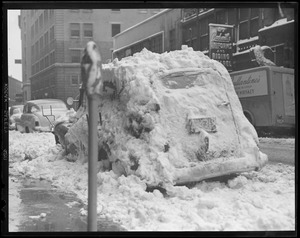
(220, 44)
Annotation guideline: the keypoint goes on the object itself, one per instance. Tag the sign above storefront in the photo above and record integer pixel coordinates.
(220, 44)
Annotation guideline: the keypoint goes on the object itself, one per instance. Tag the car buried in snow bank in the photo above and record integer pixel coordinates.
(169, 118)
(39, 115)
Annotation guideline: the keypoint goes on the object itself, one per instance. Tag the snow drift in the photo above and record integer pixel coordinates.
(170, 118)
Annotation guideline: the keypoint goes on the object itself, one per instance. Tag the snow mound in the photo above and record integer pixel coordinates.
(171, 118)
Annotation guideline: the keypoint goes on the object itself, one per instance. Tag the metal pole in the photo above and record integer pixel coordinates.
(92, 162)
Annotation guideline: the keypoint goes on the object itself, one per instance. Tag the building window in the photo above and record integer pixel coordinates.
(88, 30)
(52, 58)
(51, 33)
(42, 64)
(248, 23)
(37, 52)
(41, 46)
(41, 20)
(221, 17)
(46, 61)
(32, 31)
(204, 38)
(115, 29)
(46, 40)
(51, 13)
(156, 44)
(254, 18)
(75, 30)
(36, 26)
(172, 39)
(75, 56)
(74, 80)
(32, 53)
(46, 17)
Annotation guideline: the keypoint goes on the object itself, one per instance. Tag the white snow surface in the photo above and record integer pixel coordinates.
(263, 200)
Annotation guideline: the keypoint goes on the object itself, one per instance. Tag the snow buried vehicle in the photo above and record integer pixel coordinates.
(169, 118)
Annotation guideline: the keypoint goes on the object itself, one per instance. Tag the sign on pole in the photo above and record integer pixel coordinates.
(220, 44)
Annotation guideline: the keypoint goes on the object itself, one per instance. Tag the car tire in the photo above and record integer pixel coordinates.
(27, 129)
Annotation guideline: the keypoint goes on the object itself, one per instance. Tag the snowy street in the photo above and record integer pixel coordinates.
(263, 200)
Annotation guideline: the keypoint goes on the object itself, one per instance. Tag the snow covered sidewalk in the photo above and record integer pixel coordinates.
(253, 201)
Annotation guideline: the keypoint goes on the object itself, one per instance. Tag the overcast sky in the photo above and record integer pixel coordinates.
(14, 44)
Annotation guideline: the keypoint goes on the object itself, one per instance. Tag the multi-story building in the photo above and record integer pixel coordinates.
(171, 28)
(14, 88)
(159, 33)
(53, 41)
(273, 27)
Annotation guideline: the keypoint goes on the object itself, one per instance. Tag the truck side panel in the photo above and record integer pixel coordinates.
(267, 94)
(283, 98)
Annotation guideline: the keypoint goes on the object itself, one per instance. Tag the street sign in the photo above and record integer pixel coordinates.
(220, 44)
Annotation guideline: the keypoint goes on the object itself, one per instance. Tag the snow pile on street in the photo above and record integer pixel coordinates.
(149, 126)
(263, 200)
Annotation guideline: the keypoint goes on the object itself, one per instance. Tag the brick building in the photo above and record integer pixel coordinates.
(53, 41)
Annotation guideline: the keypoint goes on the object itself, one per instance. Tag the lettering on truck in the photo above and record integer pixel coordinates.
(251, 84)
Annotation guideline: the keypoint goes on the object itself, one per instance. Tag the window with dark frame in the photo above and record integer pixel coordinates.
(115, 29)
(172, 39)
(46, 17)
(74, 79)
(88, 30)
(41, 20)
(51, 33)
(32, 31)
(248, 23)
(46, 40)
(74, 30)
(41, 45)
(75, 56)
(36, 26)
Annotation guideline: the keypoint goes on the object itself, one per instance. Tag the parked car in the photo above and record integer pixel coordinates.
(39, 115)
(15, 113)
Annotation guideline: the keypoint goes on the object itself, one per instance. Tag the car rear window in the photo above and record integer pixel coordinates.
(54, 105)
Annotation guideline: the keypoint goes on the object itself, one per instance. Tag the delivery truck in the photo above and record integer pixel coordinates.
(267, 95)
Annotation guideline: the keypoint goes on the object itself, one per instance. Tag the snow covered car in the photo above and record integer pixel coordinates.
(15, 113)
(39, 115)
(171, 118)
